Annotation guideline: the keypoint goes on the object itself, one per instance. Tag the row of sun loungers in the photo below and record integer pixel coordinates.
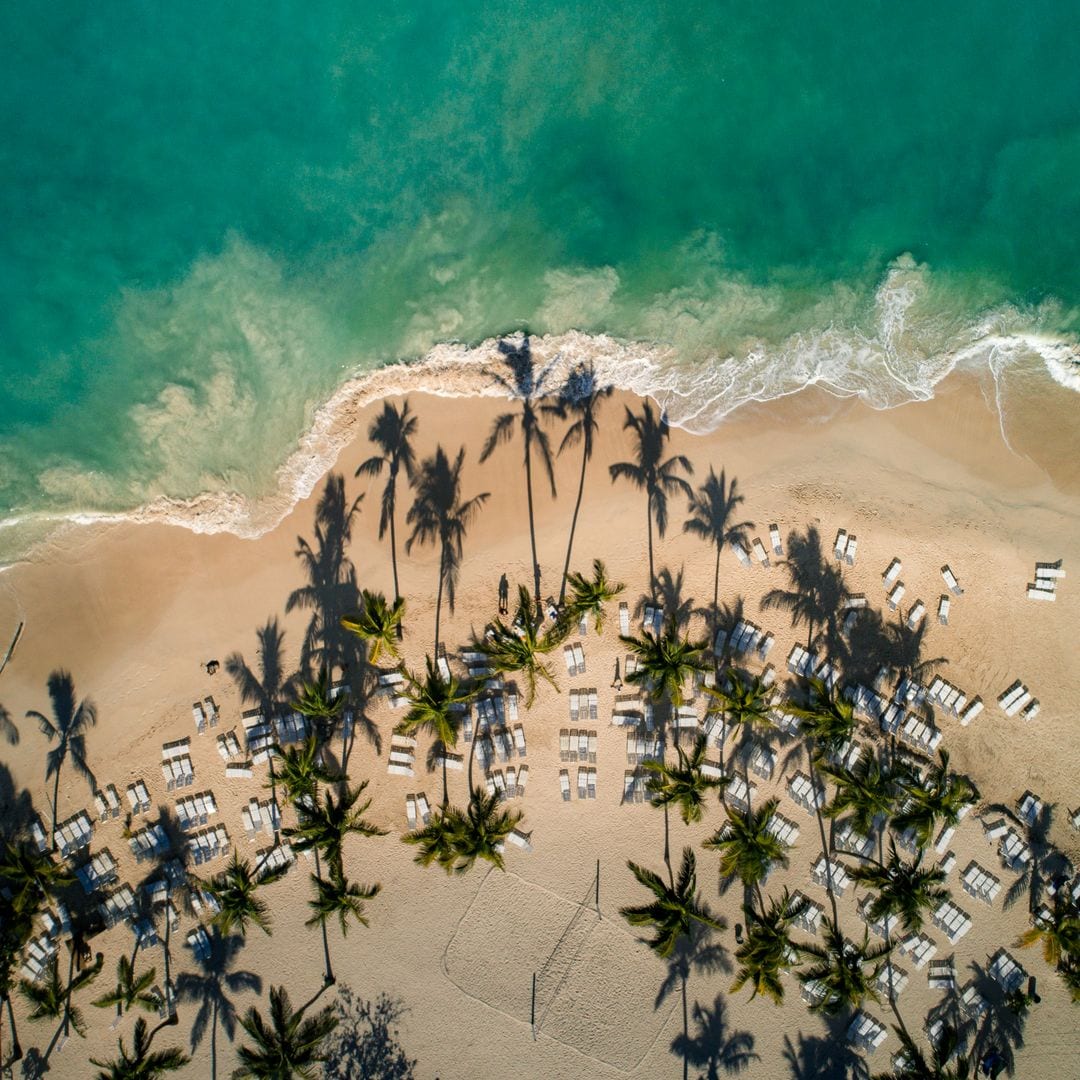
(586, 783)
(118, 905)
(98, 872)
(577, 745)
(919, 948)
(631, 710)
(810, 918)
(107, 803)
(866, 1032)
(652, 620)
(786, 831)
(205, 713)
(634, 786)
(584, 705)
(845, 547)
(417, 810)
(820, 874)
(278, 857)
(178, 772)
(258, 816)
(848, 841)
(951, 921)
(402, 755)
(738, 794)
(40, 952)
(807, 794)
(919, 734)
(508, 785)
(74, 834)
(193, 810)
(574, 655)
(747, 637)
(149, 842)
(641, 748)
(1047, 576)
(1018, 699)
(980, 883)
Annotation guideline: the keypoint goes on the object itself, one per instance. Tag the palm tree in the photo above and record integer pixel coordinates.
(817, 594)
(674, 909)
(748, 848)
(649, 472)
(31, 877)
(50, 998)
(130, 991)
(142, 1063)
(16, 929)
(1057, 930)
(436, 705)
(290, 1045)
(315, 701)
(301, 769)
(211, 986)
(845, 971)
(392, 432)
(581, 394)
(712, 509)
(526, 385)
(904, 889)
(520, 646)
(325, 823)
(868, 793)
(942, 796)
(235, 889)
(342, 898)
(915, 1065)
(684, 784)
(746, 703)
(664, 662)
(768, 950)
(590, 595)
(482, 831)
(439, 514)
(437, 839)
(68, 727)
(378, 624)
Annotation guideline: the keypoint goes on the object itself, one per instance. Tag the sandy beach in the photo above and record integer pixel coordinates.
(134, 611)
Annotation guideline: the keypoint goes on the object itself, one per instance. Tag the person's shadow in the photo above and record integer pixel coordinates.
(504, 595)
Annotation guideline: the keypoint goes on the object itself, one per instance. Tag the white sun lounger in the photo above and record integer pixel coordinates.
(1018, 702)
(1037, 592)
(422, 808)
(943, 610)
(719, 642)
(916, 613)
(579, 659)
(1050, 570)
(522, 779)
(583, 745)
(896, 595)
(852, 548)
(892, 572)
(239, 771)
(591, 781)
(571, 662)
(624, 618)
(740, 553)
(511, 782)
(396, 769)
(759, 551)
(564, 784)
(519, 740)
(564, 744)
(1010, 694)
(199, 717)
(774, 539)
(582, 782)
(950, 581)
(575, 706)
(973, 709)
(840, 544)
(1031, 710)
(519, 839)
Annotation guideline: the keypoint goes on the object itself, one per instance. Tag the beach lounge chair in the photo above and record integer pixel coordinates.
(443, 666)
(579, 658)
(892, 572)
(575, 706)
(423, 810)
(239, 771)
(740, 553)
(943, 610)
(568, 656)
(573, 745)
(1038, 592)
(1009, 695)
(1018, 702)
(624, 618)
(594, 705)
(199, 717)
(759, 551)
(774, 539)
(919, 948)
(916, 614)
(896, 595)
(519, 740)
(1031, 710)
(592, 746)
(950, 581)
(583, 745)
(511, 782)
(582, 782)
(497, 784)
(852, 548)
(591, 779)
(951, 921)
(564, 784)
(840, 544)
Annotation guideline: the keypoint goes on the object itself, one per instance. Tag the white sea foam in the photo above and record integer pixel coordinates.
(910, 345)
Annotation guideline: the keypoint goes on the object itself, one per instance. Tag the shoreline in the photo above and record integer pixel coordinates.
(455, 370)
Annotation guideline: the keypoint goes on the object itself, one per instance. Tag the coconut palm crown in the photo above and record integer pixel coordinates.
(684, 784)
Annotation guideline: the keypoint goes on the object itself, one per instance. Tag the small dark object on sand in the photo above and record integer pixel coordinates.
(738, 933)
(211, 667)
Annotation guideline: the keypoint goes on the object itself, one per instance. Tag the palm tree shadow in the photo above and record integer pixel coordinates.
(331, 591)
(16, 804)
(8, 729)
(1001, 1027)
(715, 1048)
(211, 986)
(825, 1057)
(1046, 864)
(693, 954)
(669, 594)
(817, 594)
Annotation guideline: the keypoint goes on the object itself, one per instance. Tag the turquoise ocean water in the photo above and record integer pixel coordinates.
(213, 214)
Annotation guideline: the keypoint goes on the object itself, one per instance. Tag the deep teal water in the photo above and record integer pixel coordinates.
(215, 212)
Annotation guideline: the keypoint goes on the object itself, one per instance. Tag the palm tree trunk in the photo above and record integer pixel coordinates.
(55, 798)
(16, 1047)
(213, 1040)
(573, 525)
(716, 594)
(685, 1031)
(652, 571)
(329, 976)
(168, 980)
(438, 595)
(445, 793)
(393, 559)
(532, 525)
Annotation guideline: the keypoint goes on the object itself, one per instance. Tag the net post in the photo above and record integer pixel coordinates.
(532, 1021)
(598, 889)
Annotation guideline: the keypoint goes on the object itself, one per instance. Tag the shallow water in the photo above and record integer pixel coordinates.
(216, 213)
